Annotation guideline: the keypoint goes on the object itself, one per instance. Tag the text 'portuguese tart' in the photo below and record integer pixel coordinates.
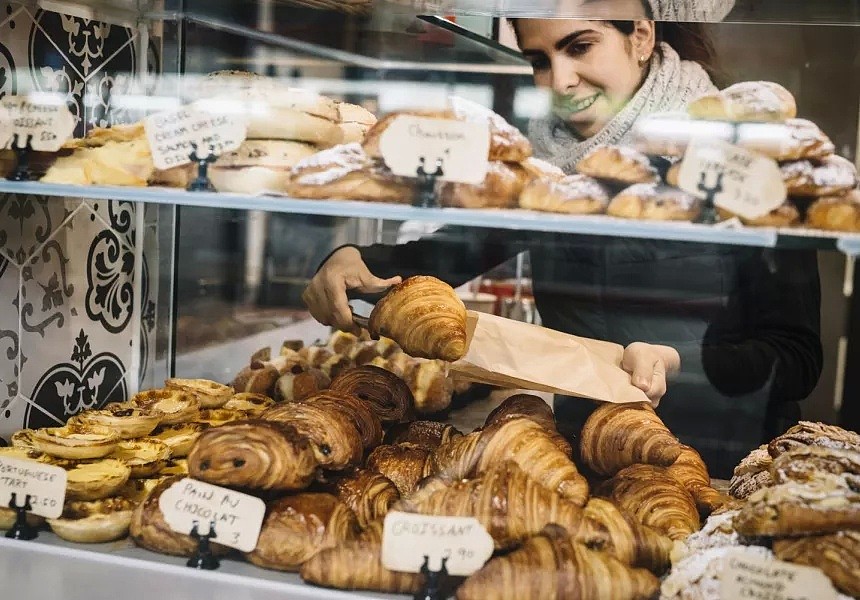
(76, 442)
(425, 316)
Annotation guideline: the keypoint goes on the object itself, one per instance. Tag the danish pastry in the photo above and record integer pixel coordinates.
(574, 194)
(618, 164)
(651, 202)
(756, 101)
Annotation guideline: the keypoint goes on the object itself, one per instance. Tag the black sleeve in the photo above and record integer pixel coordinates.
(777, 340)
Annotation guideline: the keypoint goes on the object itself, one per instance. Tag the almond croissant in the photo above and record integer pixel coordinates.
(690, 470)
(524, 442)
(425, 316)
(552, 566)
(253, 454)
(368, 493)
(404, 464)
(616, 436)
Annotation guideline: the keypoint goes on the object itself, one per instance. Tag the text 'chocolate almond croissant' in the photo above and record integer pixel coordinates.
(297, 527)
(254, 455)
(552, 566)
(425, 316)
(522, 441)
(367, 493)
(616, 436)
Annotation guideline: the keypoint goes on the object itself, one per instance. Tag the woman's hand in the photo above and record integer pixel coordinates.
(650, 366)
(326, 296)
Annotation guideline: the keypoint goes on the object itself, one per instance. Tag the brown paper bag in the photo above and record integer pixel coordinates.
(513, 354)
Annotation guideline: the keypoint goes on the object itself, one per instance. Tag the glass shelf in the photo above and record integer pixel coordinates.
(766, 237)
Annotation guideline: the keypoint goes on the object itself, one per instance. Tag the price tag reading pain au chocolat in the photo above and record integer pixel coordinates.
(173, 134)
(43, 118)
(746, 183)
(461, 149)
(238, 517)
(751, 576)
(408, 538)
(45, 484)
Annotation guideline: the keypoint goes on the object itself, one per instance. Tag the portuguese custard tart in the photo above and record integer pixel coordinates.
(249, 403)
(94, 480)
(24, 439)
(215, 417)
(76, 441)
(94, 522)
(209, 393)
(180, 437)
(128, 421)
(145, 457)
(175, 406)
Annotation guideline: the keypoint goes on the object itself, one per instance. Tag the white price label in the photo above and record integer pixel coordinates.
(459, 149)
(237, 517)
(44, 484)
(750, 576)
(173, 134)
(43, 119)
(743, 182)
(409, 538)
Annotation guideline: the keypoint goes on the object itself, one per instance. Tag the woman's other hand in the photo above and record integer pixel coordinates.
(326, 294)
(650, 366)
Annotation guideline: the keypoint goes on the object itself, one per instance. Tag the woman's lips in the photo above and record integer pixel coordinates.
(570, 106)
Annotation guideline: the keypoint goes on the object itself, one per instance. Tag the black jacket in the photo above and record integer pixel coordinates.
(745, 320)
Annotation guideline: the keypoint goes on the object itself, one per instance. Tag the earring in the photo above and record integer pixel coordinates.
(643, 59)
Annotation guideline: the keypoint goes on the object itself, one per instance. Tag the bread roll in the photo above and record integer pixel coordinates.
(785, 215)
(574, 194)
(831, 176)
(618, 164)
(501, 189)
(757, 101)
(540, 169)
(355, 122)
(650, 202)
(836, 213)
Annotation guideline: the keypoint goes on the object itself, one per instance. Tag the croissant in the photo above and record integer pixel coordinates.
(386, 393)
(522, 441)
(532, 408)
(837, 554)
(510, 504)
(149, 529)
(425, 317)
(629, 541)
(253, 454)
(297, 527)
(552, 566)
(359, 411)
(427, 434)
(690, 470)
(654, 498)
(616, 436)
(404, 464)
(357, 565)
(300, 383)
(367, 493)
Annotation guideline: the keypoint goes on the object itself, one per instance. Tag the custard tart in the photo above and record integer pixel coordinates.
(250, 403)
(24, 439)
(137, 490)
(145, 457)
(128, 421)
(76, 442)
(94, 522)
(178, 466)
(209, 393)
(215, 417)
(23, 454)
(94, 480)
(180, 437)
(175, 406)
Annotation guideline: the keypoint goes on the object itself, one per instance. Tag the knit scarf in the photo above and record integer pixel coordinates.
(670, 85)
(690, 10)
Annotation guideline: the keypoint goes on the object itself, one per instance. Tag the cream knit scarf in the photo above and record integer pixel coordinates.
(670, 85)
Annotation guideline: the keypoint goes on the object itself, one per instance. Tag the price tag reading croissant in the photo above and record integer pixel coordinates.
(173, 134)
(409, 538)
(752, 576)
(44, 119)
(747, 184)
(42, 486)
(452, 150)
(237, 517)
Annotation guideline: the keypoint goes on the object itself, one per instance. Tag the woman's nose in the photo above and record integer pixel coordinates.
(565, 78)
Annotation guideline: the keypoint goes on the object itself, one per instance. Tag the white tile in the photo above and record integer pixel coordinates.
(119, 215)
(13, 417)
(9, 341)
(27, 222)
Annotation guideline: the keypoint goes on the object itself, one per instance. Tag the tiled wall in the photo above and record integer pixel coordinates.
(77, 317)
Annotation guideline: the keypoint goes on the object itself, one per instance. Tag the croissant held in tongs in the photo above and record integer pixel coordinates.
(425, 316)
(255, 455)
(552, 566)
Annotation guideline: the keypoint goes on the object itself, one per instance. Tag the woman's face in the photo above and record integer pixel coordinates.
(592, 68)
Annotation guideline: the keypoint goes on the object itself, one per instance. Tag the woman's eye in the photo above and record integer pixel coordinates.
(540, 64)
(578, 49)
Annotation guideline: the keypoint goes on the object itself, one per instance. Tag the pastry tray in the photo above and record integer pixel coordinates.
(49, 568)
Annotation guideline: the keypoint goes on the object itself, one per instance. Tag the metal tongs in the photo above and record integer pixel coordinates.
(362, 322)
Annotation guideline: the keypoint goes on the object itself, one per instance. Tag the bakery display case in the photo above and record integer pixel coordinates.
(160, 325)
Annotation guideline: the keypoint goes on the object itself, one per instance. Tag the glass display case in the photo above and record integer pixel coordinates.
(619, 200)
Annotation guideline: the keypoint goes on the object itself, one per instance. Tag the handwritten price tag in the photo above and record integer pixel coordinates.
(745, 183)
(408, 538)
(43, 118)
(45, 484)
(173, 134)
(238, 517)
(463, 148)
(750, 576)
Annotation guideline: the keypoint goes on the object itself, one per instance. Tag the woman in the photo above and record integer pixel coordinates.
(738, 326)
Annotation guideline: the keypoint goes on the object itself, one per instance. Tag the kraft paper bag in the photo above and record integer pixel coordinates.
(513, 354)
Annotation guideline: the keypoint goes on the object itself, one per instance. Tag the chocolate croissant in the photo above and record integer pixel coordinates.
(254, 455)
(149, 529)
(552, 566)
(297, 527)
(357, 565)
(522, 441)
(616, 436)
(367, 493)
(404, 464)
(690, 470)
(425, 316)
(300, 383)
(386, 393)
(427, 434)
(360, 412)
(533, 408)
(510, 504)
(654, 498)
